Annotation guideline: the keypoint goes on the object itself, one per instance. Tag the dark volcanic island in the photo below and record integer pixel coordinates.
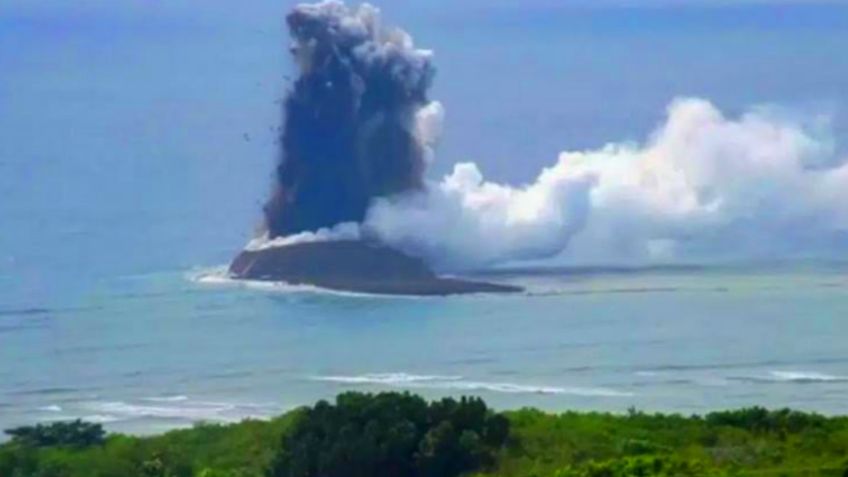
(353, 265)
(350, 136)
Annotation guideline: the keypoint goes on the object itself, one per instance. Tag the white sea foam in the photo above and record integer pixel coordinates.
(512, 388)
(101, 418)
(178, 408)
(404, 380)
(790, 377)
(51, 408)
(178, 398)
(129, 411)
(386, 378)
(805, 377)
(220, 276)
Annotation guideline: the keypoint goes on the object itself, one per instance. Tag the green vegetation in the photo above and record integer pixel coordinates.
(391, 435)
(747, 442)
(61, 434)
(400, 435)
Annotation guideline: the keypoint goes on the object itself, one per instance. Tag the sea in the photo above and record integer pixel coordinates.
(150, 352)
(137, 144)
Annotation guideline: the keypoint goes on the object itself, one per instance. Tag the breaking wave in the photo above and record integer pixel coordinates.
(177, 398)
(806, 377)
(178, 408)
(458, 383)
(386, 378)
(220, 276)
(798, 377)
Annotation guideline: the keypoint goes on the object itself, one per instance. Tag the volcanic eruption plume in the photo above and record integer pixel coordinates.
(350, 132)
(703, 186)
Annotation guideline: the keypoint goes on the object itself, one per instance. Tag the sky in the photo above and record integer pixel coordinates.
(130, 125)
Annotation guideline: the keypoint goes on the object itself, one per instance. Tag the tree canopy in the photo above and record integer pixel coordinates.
(59, 434)
(391, 435)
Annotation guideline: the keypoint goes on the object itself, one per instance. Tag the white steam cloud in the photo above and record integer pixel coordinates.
(702, 187)
(428, 127)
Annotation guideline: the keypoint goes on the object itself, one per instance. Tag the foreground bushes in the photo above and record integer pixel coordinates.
(387, 435)
(59, 434)
(641, 467)
(753, 442)
(758, 419)
(209, 450)
(391, 435)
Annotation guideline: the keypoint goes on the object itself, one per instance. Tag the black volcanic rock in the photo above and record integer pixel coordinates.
(351, 265)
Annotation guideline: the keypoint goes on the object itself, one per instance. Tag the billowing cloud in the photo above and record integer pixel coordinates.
(702, 187)
(350, 131)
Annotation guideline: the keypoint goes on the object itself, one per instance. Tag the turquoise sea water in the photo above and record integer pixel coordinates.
(137, 143)
(149, 352)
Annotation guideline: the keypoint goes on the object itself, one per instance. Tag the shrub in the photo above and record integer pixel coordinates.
(758, 419)
(645, 466)
(391, 435)
(59, 434)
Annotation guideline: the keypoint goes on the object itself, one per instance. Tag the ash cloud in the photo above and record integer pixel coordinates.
(350, 132)
(360, 131)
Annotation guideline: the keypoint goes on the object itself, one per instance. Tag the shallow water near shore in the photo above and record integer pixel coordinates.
(147, 353)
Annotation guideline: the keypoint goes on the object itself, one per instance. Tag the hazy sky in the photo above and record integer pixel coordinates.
(130, 124)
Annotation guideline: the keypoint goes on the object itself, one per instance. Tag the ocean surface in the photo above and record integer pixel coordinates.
(136, 146)
(145, 353)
